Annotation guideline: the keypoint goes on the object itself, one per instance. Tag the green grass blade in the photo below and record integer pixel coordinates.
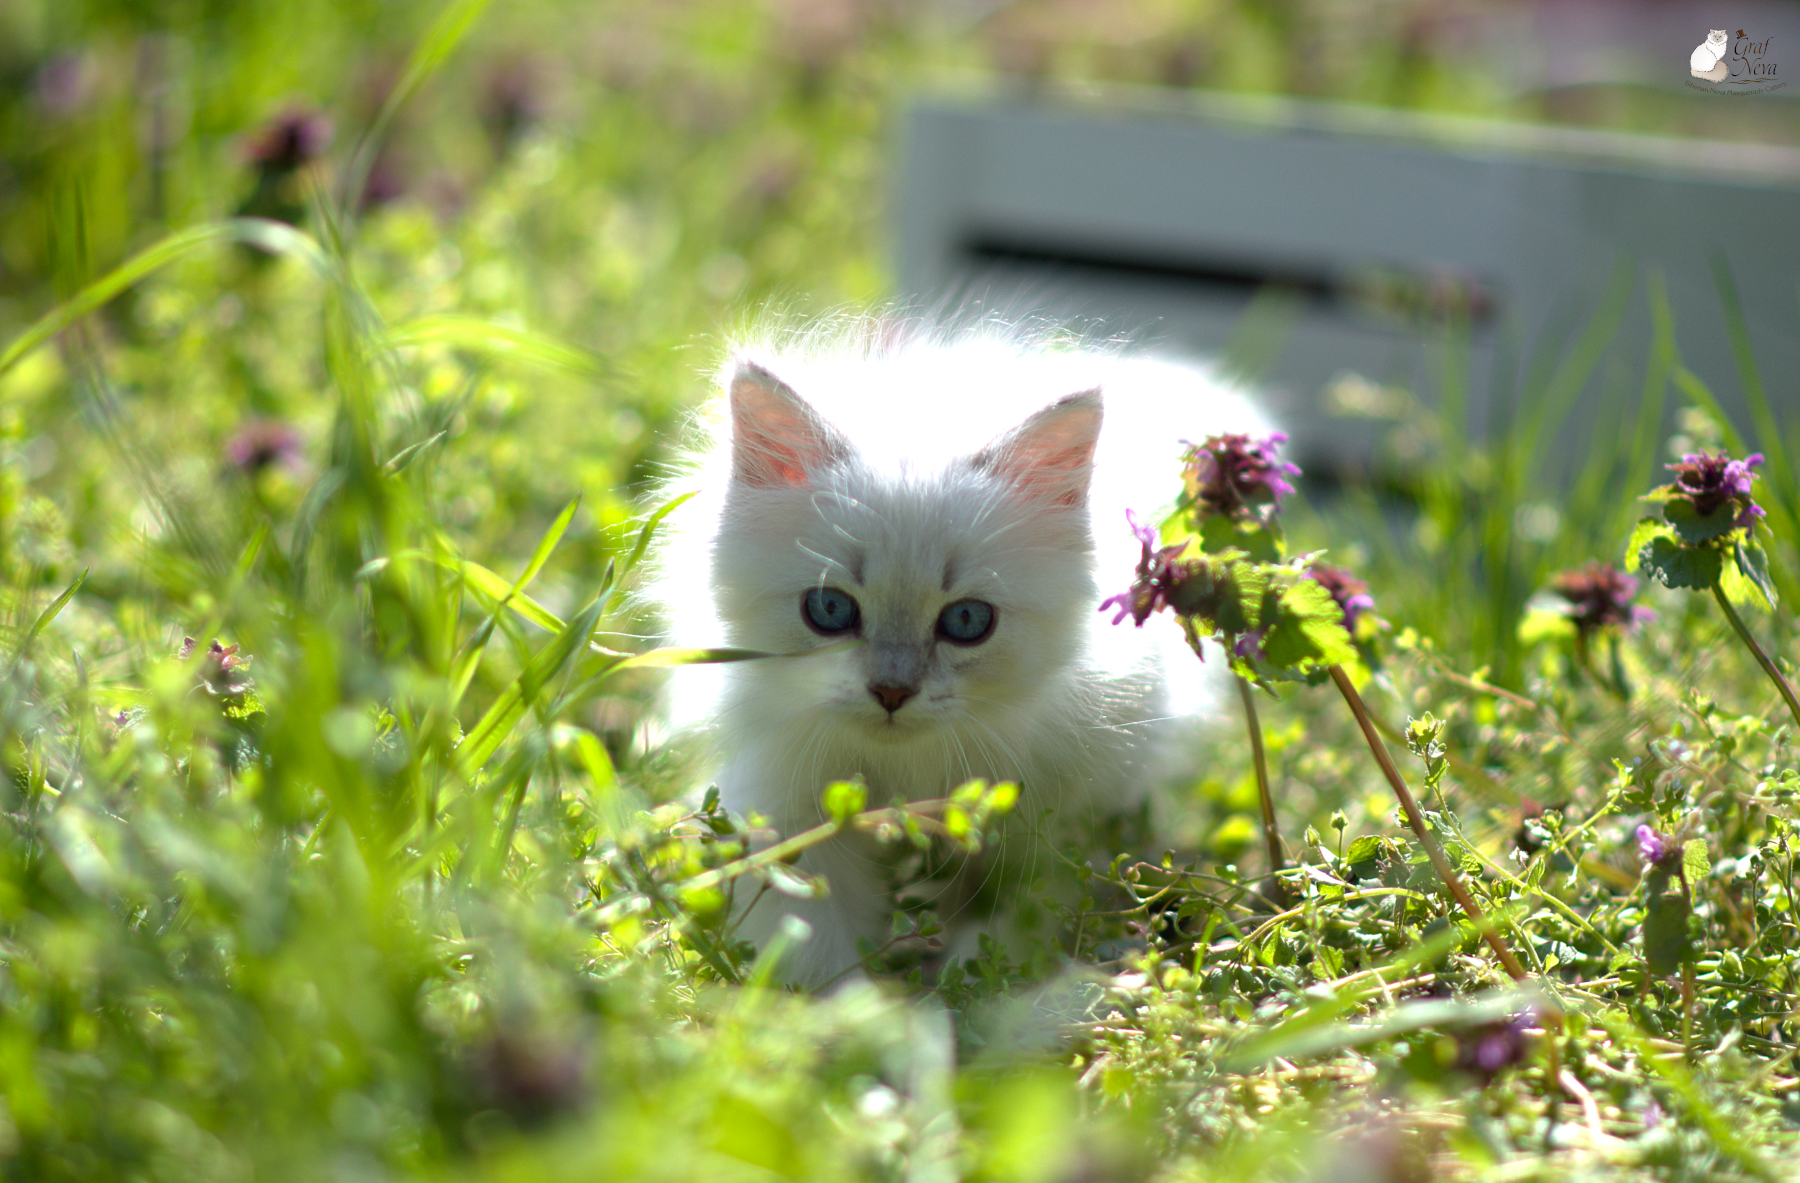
(1261, 333)
(499, 589)
(491, 585)
(274, 237)
(650, 525)
(247, 557)
(493, 728)
(1309, 1034)
(1782, 497)
(400, 461)
(468, 332)
(1658, 369)
(671, 657)
(1681, 1082)
(1566, 383)
(433, 50)
(545, 545)
(1702, 394)
(1761, 414)
(50, 613)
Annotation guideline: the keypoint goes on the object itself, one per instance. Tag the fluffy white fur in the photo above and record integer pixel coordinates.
(912, 470)
(1707, 60)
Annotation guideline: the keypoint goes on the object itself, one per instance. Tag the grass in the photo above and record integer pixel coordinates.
(401, 879)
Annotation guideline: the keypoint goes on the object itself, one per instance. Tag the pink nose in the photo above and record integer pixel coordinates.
(891, 696)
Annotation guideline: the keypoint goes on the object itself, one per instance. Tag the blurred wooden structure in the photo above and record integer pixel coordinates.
(1353, 234)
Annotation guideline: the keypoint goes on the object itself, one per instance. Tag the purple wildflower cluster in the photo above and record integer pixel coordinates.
(1484, 1050)
(1237, 475)
(1707, 482)
(1158, 576)
(223, 672)
(289, 142)
(1599, 597)
(1655, 848)
(262, 442)
(1350, 593)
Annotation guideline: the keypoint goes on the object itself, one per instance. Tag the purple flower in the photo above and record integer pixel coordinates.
(1483, 1050)
(1707, 482)
(1237, 476)
(67, 83)
(1599, 597)
(1655, 848)
(512, 101)
(1149, 592)
(262, 442)
(223, 672)
(1249, 646)
(289, 142)
(1350, 593)
(531, 1077)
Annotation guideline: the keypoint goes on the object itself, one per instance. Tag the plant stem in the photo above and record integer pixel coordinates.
(1277, 861)
(1687, 1008)
(1762, 659)
(1417, 821)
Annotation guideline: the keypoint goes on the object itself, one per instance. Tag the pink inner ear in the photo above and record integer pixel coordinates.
(1050, 457)
(776, 439)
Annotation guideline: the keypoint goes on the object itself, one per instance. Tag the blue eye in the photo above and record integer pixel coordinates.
(966, 622)
(828, 610)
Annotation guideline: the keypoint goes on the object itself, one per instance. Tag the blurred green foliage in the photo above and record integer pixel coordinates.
(396, 878)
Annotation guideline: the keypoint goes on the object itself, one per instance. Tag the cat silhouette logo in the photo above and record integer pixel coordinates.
(1708, 60)
(1734, 65)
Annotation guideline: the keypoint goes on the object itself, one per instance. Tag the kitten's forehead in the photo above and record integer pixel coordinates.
(874, 521)
(918, 414)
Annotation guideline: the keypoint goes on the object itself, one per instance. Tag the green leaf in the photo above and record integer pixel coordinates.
(657, 659)
(468, 332)
(50, 613)
(400, 461)
(591, 754)
(1363, 849)
(650, 524)
(668, 658)
(1307, 629)
(1666, 943)
(1694, 1099)
(545, 546)
(493, 728)
(434, 49)
(1220, 533)
(1750, 566)
(495, 587)
(1545, 624)
(1642, 534)
(1674, 565)
(1696, 527)
(275, 237)
(1424, 738)
(1695, 865)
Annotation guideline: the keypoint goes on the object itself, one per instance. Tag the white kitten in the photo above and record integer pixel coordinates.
(1708, 59)
(928, 494)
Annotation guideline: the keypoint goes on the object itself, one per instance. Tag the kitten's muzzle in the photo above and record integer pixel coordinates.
(892, 697)
(895, 674)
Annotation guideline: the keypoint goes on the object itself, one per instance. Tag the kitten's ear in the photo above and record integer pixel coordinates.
(1050, 456)
(776, 439)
